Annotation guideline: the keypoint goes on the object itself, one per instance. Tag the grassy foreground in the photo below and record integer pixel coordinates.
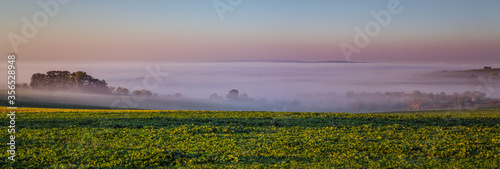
(72, 138)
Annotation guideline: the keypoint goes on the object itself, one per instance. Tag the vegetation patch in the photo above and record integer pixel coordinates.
(85, 138)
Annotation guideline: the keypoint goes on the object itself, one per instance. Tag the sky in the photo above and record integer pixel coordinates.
(91, 31)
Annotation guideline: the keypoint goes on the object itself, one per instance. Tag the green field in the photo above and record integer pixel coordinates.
(72, 138)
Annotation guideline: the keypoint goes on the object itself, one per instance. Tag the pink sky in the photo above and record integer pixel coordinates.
(465, 32)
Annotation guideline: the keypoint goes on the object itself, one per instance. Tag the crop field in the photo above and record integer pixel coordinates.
(79, 138)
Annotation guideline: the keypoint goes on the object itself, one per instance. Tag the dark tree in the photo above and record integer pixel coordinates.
(142, 93)
(215, 96)
(38, 81)
(233, 95)
(121, 90)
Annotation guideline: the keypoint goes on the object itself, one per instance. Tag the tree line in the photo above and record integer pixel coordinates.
(415, 100)
(66, 81)
(79, 81)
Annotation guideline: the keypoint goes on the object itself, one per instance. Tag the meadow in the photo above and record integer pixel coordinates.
(85, 138)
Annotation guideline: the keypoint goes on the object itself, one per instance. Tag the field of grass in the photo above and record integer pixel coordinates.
(72, 138)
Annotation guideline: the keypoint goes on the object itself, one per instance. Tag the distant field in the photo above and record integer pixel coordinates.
(74, 138)
(494, 73)
(493, 70)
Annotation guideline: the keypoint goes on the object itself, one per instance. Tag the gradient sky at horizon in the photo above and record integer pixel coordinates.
(448, 31)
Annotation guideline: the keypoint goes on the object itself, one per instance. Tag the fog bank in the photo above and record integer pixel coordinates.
(276, 83)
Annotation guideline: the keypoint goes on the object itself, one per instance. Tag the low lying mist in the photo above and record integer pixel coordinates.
(280, 86)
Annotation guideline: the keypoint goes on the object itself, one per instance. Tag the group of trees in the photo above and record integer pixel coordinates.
(233, 95)
(119, 90)
(125, 91)
(78, 82)
(415, 100)
(66, 81)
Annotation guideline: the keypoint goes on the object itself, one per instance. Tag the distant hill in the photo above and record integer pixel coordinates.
(290, 61)
(493, 72)
(482, 70)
